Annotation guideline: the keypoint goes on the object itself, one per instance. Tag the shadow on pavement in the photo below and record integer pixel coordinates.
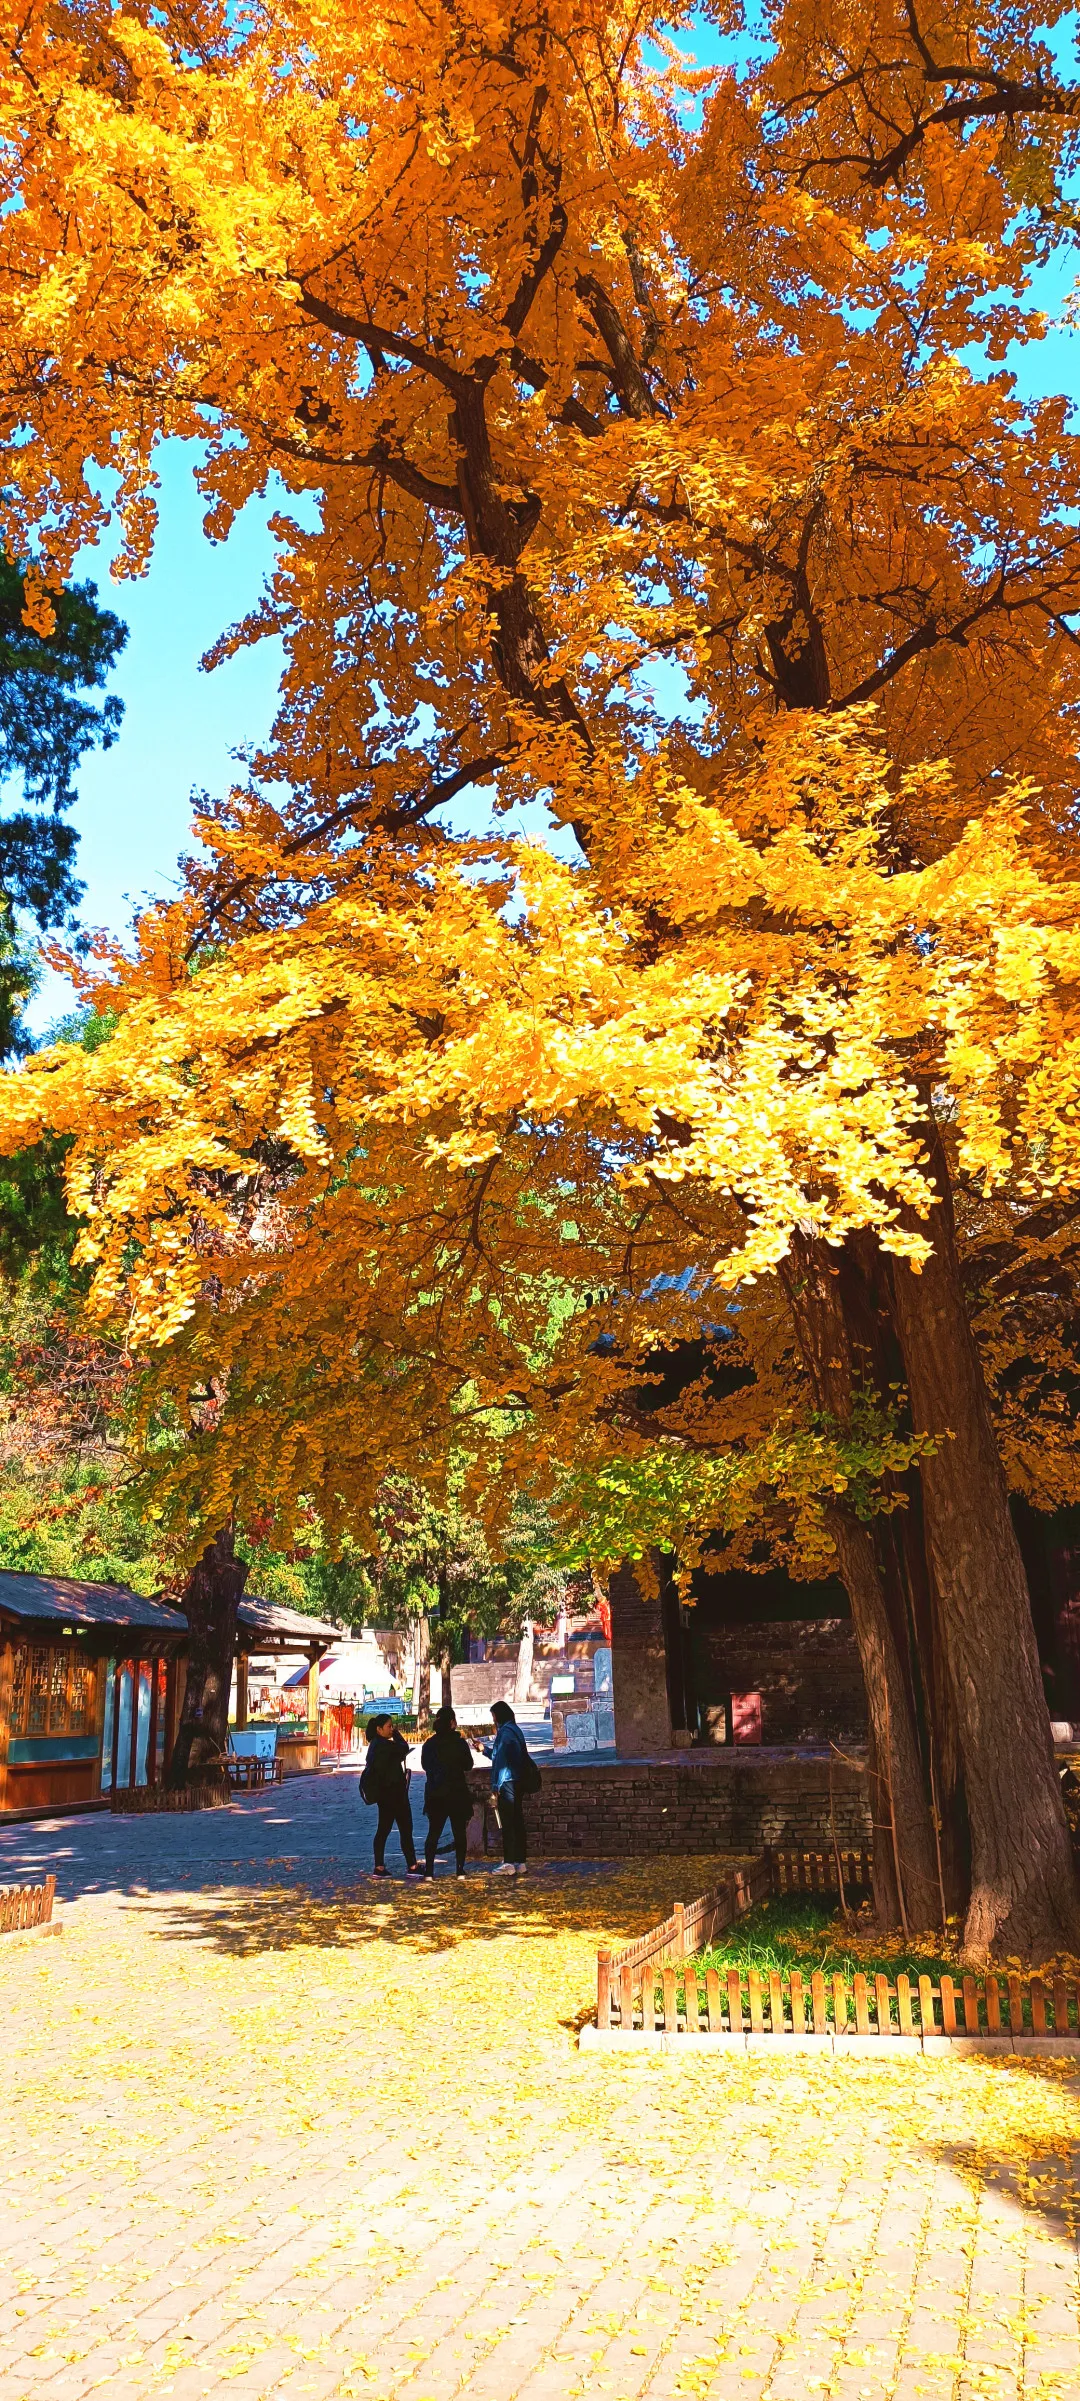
(615, 1900)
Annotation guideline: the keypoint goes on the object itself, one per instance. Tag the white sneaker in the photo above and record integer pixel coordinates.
(505, 1868)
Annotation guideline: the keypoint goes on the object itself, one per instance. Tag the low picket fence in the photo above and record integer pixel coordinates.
(26, 1905)
(651, 1988)
(150, 1800)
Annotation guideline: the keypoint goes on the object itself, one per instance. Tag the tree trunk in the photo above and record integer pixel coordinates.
(1023, 1888)
(906, 1888)
(211, 1600)
(907, 1579)
(423, 1670)
(524, 1668)
(906, 1892)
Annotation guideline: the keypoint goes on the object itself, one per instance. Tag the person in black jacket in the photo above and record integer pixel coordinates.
(384, 1781)
(511, 1774)
(446, 1760)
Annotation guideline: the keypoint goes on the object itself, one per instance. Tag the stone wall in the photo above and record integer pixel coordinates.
(806, 1670)
(710, 1802)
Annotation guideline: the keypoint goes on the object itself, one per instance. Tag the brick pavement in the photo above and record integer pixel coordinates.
(339, 2142)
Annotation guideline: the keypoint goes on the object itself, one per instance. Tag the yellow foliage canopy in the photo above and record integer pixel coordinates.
(655, 491)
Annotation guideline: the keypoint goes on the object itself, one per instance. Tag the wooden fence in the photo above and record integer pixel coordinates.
(638, 1990)
(620, 1976)
(146, 1800)
(25, 1905)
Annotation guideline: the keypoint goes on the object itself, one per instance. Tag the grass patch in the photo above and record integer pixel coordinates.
(806, 1931)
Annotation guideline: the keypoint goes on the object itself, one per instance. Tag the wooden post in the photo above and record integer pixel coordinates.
(100, 1690)
(170, 1712)
(6, 1677)
(118, 1676)
(313, 1694)
(626, 1997)
(136, 1691)
(603, 1988)
(151, 1739)
(241, 1691)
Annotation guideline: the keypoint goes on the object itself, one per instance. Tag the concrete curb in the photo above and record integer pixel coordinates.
(897, 2050)
(18, 1935)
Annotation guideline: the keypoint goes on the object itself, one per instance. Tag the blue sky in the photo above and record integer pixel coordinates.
(182, 725)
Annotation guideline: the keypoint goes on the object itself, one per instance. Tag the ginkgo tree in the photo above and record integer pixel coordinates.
(653, 486)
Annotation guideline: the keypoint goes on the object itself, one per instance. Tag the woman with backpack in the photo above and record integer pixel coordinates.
(513, 1774)
(446, 1761)
(385, 1786)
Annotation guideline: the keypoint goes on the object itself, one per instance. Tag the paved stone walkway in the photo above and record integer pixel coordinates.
(273, 2129)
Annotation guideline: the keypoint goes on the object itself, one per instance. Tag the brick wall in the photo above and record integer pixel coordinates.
(806, 1670)
(484, 1680)
(710, 1803)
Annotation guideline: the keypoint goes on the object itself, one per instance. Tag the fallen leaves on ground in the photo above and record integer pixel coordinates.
(350, 2147)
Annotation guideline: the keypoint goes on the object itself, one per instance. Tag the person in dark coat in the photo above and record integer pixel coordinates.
(446, 1760)
(385, 1782)
(509, 1767)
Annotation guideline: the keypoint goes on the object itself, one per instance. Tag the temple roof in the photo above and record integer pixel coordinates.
(67, 1602)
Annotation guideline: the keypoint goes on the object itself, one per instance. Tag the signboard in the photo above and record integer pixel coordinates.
(746, 1717)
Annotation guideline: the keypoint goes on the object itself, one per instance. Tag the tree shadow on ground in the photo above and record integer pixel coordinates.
(1037, 2173)
(610, 1901)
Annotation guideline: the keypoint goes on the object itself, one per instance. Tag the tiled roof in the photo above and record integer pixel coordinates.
(68, 1602)
(77, 1604)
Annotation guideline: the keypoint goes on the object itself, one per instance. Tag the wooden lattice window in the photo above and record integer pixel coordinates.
(37, 1692)
(19, 1672)
(53, 1690)
(81, 1695)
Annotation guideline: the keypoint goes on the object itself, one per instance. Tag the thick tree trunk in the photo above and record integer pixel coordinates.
(906, 1890)
(900, 1545)
(211, 1600)
(906, 1886)
(1023, 1887)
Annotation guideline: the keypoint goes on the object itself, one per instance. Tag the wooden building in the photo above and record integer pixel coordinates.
(92, 1679)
